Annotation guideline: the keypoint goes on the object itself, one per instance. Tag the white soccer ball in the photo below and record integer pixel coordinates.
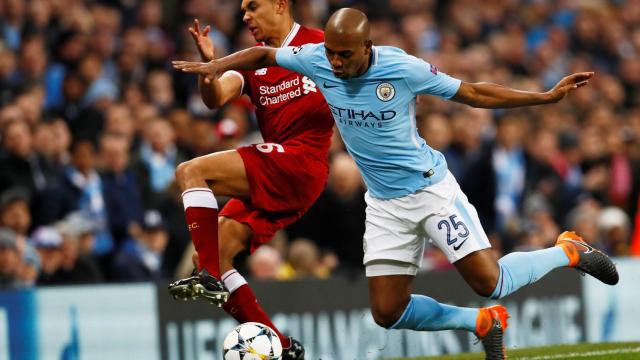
(252, 341)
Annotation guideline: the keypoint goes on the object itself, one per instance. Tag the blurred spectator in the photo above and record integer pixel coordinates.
(516, 171)
(227, 131)
(48, 242)
(33, 59)
(203, 137)
(150, 16)
(119, 120)
(29, 270)
(8, 78)
(19, 163)
(159, 155)
(120, 186)
(61, 139)
(83, 119)
(266, 264)
(10, 113)
(10, 261)
(336, 221)
(467, 130)
(306, 261)
(101, 89)
(30, 101)
(435, 131)
(14, 211)
(583, 219)
(497, 194)
(140, 258)
(538, 218)
(78, 239)
(185, 129)
(160, 90)
(13, 12)
(614, 228)
(79, 188)
(171, 208)
(81, 227)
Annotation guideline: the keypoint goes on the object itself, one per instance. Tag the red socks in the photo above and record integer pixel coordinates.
(201, 212)
(243, 305)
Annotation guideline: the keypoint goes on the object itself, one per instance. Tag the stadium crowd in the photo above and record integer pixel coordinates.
(93, 123)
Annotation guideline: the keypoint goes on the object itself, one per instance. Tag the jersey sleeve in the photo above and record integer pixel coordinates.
(241, 75)
(424, 78)
(297, 58)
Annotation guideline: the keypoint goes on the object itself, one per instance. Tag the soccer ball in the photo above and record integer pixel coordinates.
(252, 341)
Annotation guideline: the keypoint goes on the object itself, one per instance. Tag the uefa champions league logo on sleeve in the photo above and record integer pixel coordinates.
(385, 91)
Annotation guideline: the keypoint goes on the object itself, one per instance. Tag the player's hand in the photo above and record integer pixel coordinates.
(208, 70)
(568, 84)
(202, 40)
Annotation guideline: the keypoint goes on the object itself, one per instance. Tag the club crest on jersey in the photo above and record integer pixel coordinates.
(385, 91)
(262, 71)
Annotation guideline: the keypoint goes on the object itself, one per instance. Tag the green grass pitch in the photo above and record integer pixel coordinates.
(603, 351)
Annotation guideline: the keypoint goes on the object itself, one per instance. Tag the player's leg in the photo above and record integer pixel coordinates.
(393, 254)
(392, 257)
(223, 172)
(243, 228)
(242, 304)
(459, 233)
(497, 279)
(517, 269)
(394, 307)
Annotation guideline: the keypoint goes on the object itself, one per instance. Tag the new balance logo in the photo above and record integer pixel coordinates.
(262, 71)
(308, 85)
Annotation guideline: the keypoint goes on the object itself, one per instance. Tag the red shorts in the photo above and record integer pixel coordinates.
(284, 181)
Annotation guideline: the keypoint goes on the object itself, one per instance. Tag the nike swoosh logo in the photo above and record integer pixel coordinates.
(583, 244)
(324, 85)
(456, 248)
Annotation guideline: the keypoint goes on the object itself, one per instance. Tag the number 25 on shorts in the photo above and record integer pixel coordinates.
(459, 226)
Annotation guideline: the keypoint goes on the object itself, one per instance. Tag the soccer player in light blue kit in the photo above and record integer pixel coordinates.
(371, 91)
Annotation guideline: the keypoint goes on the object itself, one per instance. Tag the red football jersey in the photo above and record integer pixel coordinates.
(289, 106)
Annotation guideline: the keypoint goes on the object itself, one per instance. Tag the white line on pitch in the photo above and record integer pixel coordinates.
(583, 354)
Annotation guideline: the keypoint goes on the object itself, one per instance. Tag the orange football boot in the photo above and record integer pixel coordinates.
(490, 326)
(587, 259)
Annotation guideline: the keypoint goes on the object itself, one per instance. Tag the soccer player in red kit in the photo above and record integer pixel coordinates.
(272, 184)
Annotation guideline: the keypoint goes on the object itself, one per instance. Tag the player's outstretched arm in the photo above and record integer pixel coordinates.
(250, 59)
(488, 95)
(217, 92)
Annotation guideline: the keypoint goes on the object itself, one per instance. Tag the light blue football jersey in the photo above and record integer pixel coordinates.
(376, 114)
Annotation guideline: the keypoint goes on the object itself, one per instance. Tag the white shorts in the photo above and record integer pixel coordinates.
(396, 229)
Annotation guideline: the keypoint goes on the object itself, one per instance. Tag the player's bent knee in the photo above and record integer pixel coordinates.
(485, 286)
(386, 316)
(190, 170)
(484, 292)
(184, 171)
